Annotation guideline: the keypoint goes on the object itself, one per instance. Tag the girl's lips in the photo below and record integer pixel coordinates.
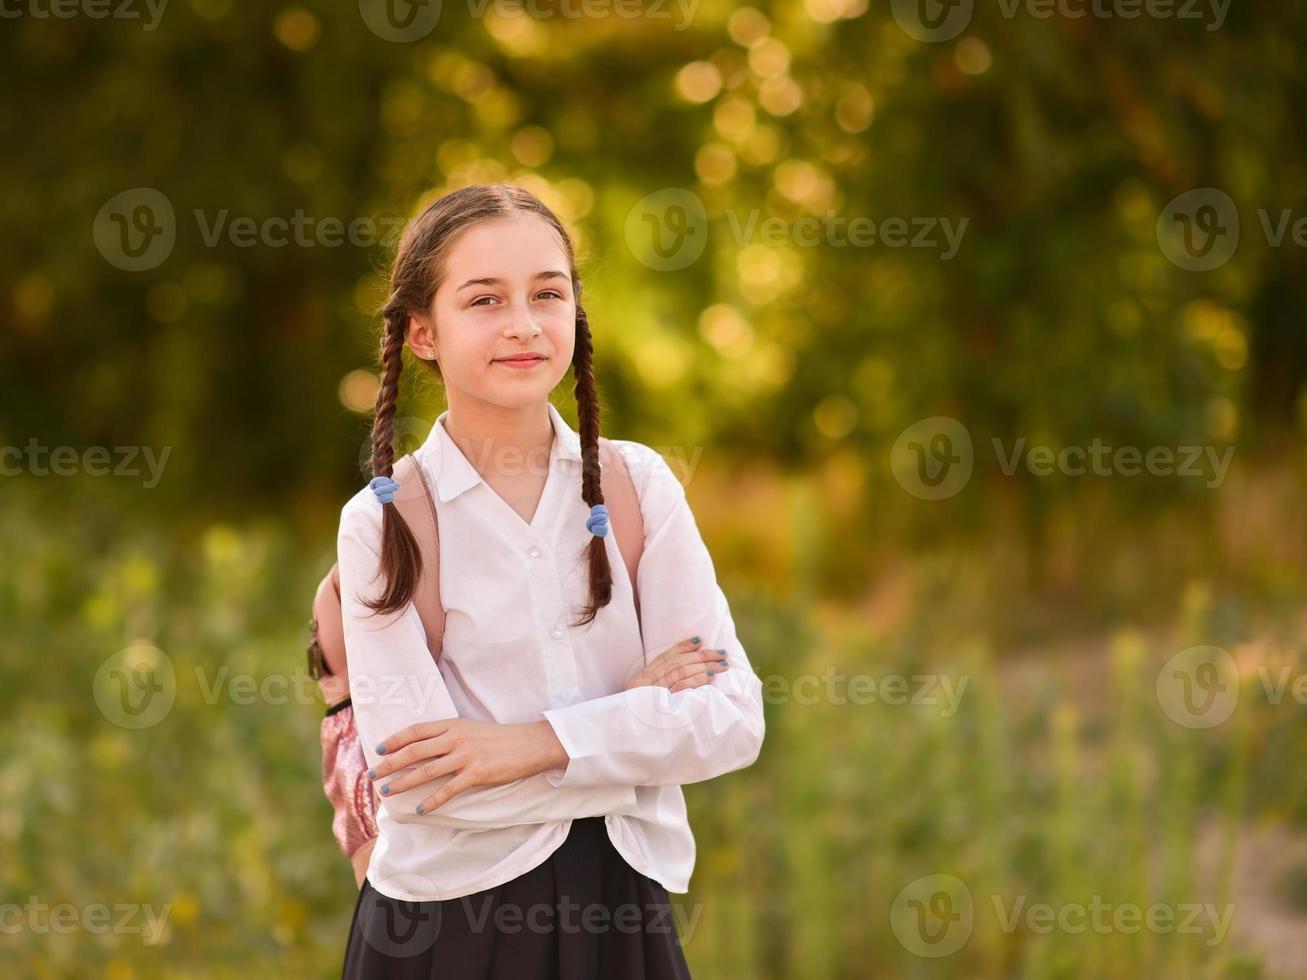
(521, 363)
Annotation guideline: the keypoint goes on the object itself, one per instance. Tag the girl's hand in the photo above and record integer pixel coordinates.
(473, 753)
(681, 667)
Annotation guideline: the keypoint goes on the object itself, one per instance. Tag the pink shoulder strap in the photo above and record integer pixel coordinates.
(419, 512)
(623, 510)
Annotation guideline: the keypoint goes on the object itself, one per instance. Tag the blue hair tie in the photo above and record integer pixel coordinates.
(384, 487)
(598, 522)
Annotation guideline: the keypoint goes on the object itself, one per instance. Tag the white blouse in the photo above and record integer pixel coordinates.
(510, 590)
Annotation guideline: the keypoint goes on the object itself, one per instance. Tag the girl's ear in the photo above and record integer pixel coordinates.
(421, 336)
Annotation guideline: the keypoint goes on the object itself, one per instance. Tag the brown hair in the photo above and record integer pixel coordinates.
(415, 275)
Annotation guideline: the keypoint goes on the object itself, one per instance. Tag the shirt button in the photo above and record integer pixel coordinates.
(557, 634)
(534, 552)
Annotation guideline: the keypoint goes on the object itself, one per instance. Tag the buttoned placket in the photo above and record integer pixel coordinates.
(550, 610)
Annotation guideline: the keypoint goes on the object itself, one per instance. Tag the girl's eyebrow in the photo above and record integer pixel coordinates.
(494, 281)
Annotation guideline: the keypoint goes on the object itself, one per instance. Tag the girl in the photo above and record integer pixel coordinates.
(531, 821)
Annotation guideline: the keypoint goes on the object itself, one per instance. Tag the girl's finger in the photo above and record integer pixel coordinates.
(698, 679)
(709, 656)
(685, 646)
(423, 729)
(456, 785)
(407, 756)
(699, 673)
(425, 773)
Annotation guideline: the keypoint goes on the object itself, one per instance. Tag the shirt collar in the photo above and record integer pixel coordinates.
(455, 473)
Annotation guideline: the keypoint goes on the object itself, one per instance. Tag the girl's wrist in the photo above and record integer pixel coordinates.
(552, 753)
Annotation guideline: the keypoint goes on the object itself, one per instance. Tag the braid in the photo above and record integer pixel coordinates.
(401, 560)
(587, 410)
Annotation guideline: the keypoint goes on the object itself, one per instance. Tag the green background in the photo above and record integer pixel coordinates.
(788, 370)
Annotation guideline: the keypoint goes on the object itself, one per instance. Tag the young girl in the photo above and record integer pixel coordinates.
(531, 821)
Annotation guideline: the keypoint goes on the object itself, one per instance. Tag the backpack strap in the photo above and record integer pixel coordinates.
(623, 510)
(326, 652)
(419, 513)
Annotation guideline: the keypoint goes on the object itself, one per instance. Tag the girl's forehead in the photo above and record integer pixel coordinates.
(503, 247)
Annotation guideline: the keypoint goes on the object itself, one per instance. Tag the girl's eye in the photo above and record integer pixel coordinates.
(553, 293)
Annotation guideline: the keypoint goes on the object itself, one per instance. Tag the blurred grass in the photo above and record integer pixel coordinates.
(1044, 785)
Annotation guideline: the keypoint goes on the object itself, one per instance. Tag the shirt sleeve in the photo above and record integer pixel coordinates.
(649, 736)
(394, 682)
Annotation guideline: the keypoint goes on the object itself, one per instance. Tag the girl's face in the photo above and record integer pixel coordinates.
(506, 291)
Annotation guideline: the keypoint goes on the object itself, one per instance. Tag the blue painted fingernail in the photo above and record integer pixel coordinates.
(372, 774)
(381, 749)
(420, 808)
(721, 649)
(722, 662)
(694, 639)
(385, 791)
(710, 673)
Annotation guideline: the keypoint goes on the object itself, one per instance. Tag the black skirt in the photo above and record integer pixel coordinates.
(581, 914)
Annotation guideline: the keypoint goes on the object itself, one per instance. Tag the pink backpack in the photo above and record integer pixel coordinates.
(344, 771)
